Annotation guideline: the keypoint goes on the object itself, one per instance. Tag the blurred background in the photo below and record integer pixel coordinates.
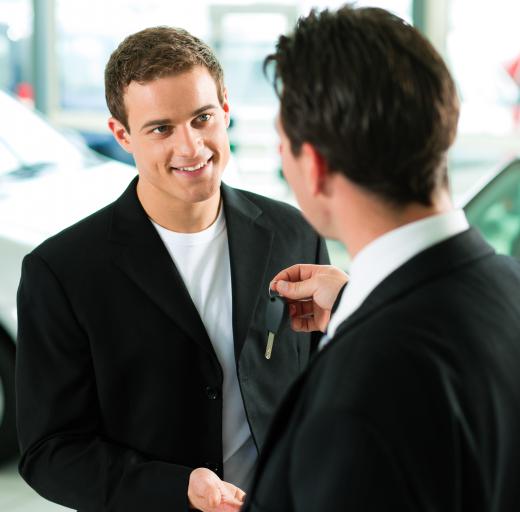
(53, 53)
(58, 162)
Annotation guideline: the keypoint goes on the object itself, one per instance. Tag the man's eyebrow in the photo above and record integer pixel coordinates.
(160, 122)
(202, 109)
(155, 122)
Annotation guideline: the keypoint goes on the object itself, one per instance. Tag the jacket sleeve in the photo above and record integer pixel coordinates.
(66, 457)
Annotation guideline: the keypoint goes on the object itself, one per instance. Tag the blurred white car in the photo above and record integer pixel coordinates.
(47, 182)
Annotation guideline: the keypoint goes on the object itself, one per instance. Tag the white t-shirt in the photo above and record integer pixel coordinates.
(202, 260)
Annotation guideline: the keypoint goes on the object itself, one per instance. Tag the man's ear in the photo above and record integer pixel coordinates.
(225, 107)
(316, 169)
(120, 134)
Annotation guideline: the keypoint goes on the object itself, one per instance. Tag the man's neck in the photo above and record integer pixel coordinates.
(179, 216)
(370, 218)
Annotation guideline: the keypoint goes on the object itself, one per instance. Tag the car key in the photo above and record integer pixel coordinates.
(275, 314)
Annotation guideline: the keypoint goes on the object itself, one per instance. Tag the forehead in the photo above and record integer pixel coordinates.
(173, 96)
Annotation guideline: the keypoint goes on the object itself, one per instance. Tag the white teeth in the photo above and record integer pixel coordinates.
(194, 168)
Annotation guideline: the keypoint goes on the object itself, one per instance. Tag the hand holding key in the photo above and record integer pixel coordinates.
(311, 291)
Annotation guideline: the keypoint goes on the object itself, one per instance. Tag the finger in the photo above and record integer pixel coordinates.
(213, 496)
(296, 290)
(240, 495)
(287, 274)
(231, 500)
(301, 310)
(303, 325)
(296, 324)
(228, 507)
(297, 272)
(306, 309)
(322, 322)
(230, 494)
(302, 315)
(227, 489)
(296, 308)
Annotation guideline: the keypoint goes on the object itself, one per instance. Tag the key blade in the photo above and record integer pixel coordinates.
(269, 348)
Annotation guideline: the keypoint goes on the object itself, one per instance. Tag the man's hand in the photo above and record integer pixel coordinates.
(207, 492)
(312, 291)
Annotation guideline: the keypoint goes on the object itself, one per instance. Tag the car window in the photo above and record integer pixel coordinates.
(27, 141)
(495, 211)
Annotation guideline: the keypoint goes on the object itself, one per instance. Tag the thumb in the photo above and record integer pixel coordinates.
(296, 290)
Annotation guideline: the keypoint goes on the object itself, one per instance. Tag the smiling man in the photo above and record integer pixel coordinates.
(141, 370)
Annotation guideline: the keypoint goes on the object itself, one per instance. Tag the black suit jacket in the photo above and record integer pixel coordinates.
(118, 386)
(414, 406)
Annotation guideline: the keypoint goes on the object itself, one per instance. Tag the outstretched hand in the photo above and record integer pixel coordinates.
(311, 291)
(207, 492)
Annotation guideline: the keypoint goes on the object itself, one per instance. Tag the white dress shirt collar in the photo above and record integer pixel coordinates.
(382, 256)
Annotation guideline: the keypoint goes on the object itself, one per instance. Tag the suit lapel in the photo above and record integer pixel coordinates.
(140, 253)
(250, 246)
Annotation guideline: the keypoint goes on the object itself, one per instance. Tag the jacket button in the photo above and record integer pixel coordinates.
(211, 393)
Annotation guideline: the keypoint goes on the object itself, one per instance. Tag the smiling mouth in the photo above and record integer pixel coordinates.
(193, 168)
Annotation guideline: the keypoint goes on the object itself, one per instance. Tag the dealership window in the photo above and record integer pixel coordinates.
(482, 49)
(87, 33)
(402, 8)
(485, 58)
(15, 48)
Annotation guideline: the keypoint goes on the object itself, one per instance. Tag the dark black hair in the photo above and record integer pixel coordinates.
(374, 98)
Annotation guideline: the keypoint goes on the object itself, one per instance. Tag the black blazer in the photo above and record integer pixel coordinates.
(118, 386)
(414, 406)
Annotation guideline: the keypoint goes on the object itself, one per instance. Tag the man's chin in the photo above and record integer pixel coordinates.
(205, 193)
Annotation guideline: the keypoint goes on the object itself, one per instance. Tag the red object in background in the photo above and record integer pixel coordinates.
(25, 93)
(513, 70)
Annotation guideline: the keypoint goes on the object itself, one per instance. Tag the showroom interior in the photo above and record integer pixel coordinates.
(53, 127)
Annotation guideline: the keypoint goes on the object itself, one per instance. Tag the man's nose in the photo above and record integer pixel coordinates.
(186, 142)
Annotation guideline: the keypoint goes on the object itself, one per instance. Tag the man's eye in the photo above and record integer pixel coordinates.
(204, 118)
(161, 129)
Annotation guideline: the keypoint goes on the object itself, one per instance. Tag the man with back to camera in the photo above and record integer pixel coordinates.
(141, 372)
(412, 404)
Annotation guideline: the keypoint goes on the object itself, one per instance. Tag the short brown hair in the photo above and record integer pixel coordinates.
(372, 95)
(154, 53)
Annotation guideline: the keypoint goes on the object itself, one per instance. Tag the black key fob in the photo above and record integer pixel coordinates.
(275, 313)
